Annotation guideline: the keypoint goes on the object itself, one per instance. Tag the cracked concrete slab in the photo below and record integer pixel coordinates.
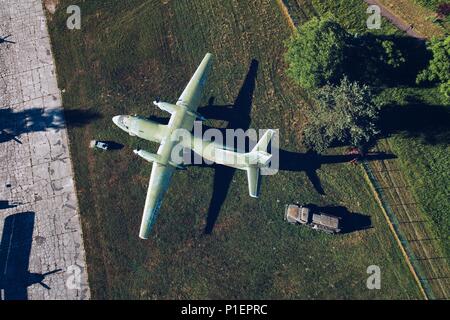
(41, 250)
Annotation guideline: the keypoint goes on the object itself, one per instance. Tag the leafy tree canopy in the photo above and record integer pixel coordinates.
(345, 113)
(439, 68)
(316, 52)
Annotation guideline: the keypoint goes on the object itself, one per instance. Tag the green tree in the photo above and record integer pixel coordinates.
(439, 68)
(345, 113)
(316, 52)
(392, 55)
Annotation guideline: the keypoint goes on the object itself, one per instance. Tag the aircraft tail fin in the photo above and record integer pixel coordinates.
(259, 155)
(258, 158)
(263, 143)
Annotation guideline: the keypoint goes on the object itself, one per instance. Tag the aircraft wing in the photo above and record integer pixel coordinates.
(158, 185)
(192, 94)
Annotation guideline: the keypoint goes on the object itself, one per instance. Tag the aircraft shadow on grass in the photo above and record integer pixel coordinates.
(13, 124)
(15, 248)
(238, 116)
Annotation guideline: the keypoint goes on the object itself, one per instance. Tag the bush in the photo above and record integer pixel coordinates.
(439, 68)
(316, 52)
(322, 51)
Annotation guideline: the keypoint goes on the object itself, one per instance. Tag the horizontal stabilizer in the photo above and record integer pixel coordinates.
(259, 155)
(259, 158)
(253, 175)
(155, 158)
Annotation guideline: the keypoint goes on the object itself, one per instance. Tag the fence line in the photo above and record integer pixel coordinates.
(390, 216)
(403, 243)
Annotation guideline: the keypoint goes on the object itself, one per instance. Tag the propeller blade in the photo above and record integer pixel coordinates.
(51, 272)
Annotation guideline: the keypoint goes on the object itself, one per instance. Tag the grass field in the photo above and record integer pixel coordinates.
(416, 122)
(128, 52)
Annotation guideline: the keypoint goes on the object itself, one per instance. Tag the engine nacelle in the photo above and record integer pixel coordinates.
(164, 106)
(147, 156)
(172, 108)
(152, 157)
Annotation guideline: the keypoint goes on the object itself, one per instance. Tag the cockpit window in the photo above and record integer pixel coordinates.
(124, 120)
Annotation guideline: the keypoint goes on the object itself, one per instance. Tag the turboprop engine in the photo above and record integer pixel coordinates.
(152, 157)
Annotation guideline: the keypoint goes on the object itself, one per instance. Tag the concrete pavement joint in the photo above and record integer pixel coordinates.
(35, 165)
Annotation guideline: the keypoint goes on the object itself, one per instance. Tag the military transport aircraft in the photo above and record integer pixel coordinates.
(183, 115)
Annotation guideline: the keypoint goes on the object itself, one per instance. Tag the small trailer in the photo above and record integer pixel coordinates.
(328, 223)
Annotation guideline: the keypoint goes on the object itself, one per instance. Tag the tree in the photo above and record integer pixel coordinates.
(316, 52)
(375, 60)
(439, 68)
(391, 56)
(345, 113)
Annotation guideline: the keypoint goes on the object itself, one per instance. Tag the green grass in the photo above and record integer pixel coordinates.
(422, 146)
(127, 53)
(431, 4)
(423, 151)
(421, 141)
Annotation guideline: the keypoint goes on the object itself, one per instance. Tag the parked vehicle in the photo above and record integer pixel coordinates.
(99, 144)
(328, 223)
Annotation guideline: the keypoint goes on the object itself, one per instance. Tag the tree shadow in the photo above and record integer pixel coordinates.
(366, 60)
(13, 124)
(80, 117)
(15, 249)
(430, 123)
(351, 221)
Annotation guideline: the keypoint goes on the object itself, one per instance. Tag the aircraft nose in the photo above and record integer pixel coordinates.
(116, 120)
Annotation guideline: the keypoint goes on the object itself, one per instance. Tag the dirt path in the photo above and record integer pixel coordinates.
(396, 21)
